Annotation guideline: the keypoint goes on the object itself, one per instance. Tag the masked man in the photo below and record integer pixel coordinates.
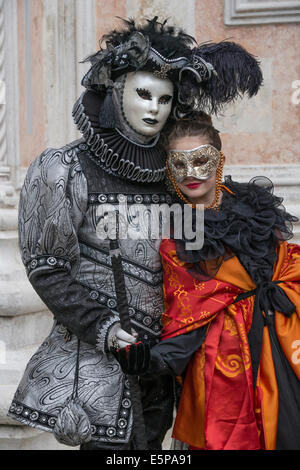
(73, 386)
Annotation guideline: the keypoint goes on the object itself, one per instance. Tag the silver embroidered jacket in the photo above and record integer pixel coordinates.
(61, 219)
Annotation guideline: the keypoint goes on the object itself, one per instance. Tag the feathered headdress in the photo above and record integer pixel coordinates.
(205, 77)
(216, 74)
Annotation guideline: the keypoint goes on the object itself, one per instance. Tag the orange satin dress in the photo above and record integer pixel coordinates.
(219, 409)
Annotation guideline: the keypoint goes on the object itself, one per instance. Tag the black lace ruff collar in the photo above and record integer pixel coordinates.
(250, 224)
(112, 151)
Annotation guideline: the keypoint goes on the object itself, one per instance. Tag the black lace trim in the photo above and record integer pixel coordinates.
(249, 225)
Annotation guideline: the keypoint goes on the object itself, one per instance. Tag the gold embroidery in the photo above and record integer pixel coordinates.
(244, 346)
(231, 365)
(229, 325)
(198, 285)
(179, 291)
(234, 364)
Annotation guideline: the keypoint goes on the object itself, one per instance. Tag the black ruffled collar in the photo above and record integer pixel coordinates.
(112, 151)
(249, 225)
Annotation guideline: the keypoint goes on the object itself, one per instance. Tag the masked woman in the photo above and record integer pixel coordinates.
(231, 320)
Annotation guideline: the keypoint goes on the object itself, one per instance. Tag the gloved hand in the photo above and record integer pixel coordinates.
(134, 359)
(119, 338)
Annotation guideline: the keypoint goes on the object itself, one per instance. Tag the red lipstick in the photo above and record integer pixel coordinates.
(193, 185)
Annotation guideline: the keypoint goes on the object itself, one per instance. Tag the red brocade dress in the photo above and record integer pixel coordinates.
(241, 388)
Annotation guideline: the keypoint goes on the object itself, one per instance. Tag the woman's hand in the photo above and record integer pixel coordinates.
(134, 359)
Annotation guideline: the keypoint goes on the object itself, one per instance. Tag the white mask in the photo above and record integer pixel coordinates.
(147, 102)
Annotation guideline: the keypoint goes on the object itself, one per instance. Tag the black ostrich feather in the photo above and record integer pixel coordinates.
(238, 73)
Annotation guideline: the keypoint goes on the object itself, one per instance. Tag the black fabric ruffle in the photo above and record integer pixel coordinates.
(114, 153)
(249, 225)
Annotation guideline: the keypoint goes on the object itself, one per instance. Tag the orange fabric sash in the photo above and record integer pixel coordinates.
(218, 408)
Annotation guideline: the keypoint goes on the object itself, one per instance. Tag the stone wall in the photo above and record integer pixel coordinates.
(40, 78)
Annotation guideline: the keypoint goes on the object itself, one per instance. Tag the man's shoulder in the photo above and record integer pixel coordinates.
(67, 152)
(55, 164)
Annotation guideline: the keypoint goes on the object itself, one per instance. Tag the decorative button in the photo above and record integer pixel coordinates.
(12, 407)
(126, 403)
(52, 422)
(111, 431)
(122, 423)
(33, 263)
(112, 198)
(93, 429)
(101, 431)
(19, 409)
(157, 313)
(168, 199)
(138, 198)
(127, 384)
(102, 198)
(51, 261)
(131, 311)
(155, 198)
(43, 419)
(111, 303)
(94, 294)
(121, 197)
(121, 432)
(34, 416)
(127, 393)
(147, 321)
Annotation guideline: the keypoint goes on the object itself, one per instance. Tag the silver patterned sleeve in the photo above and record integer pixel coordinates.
(53, 202)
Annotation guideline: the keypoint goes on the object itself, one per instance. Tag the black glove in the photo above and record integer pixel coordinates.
(133, 359)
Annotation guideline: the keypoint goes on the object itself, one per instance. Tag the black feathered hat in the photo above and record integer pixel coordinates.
(205, 77)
